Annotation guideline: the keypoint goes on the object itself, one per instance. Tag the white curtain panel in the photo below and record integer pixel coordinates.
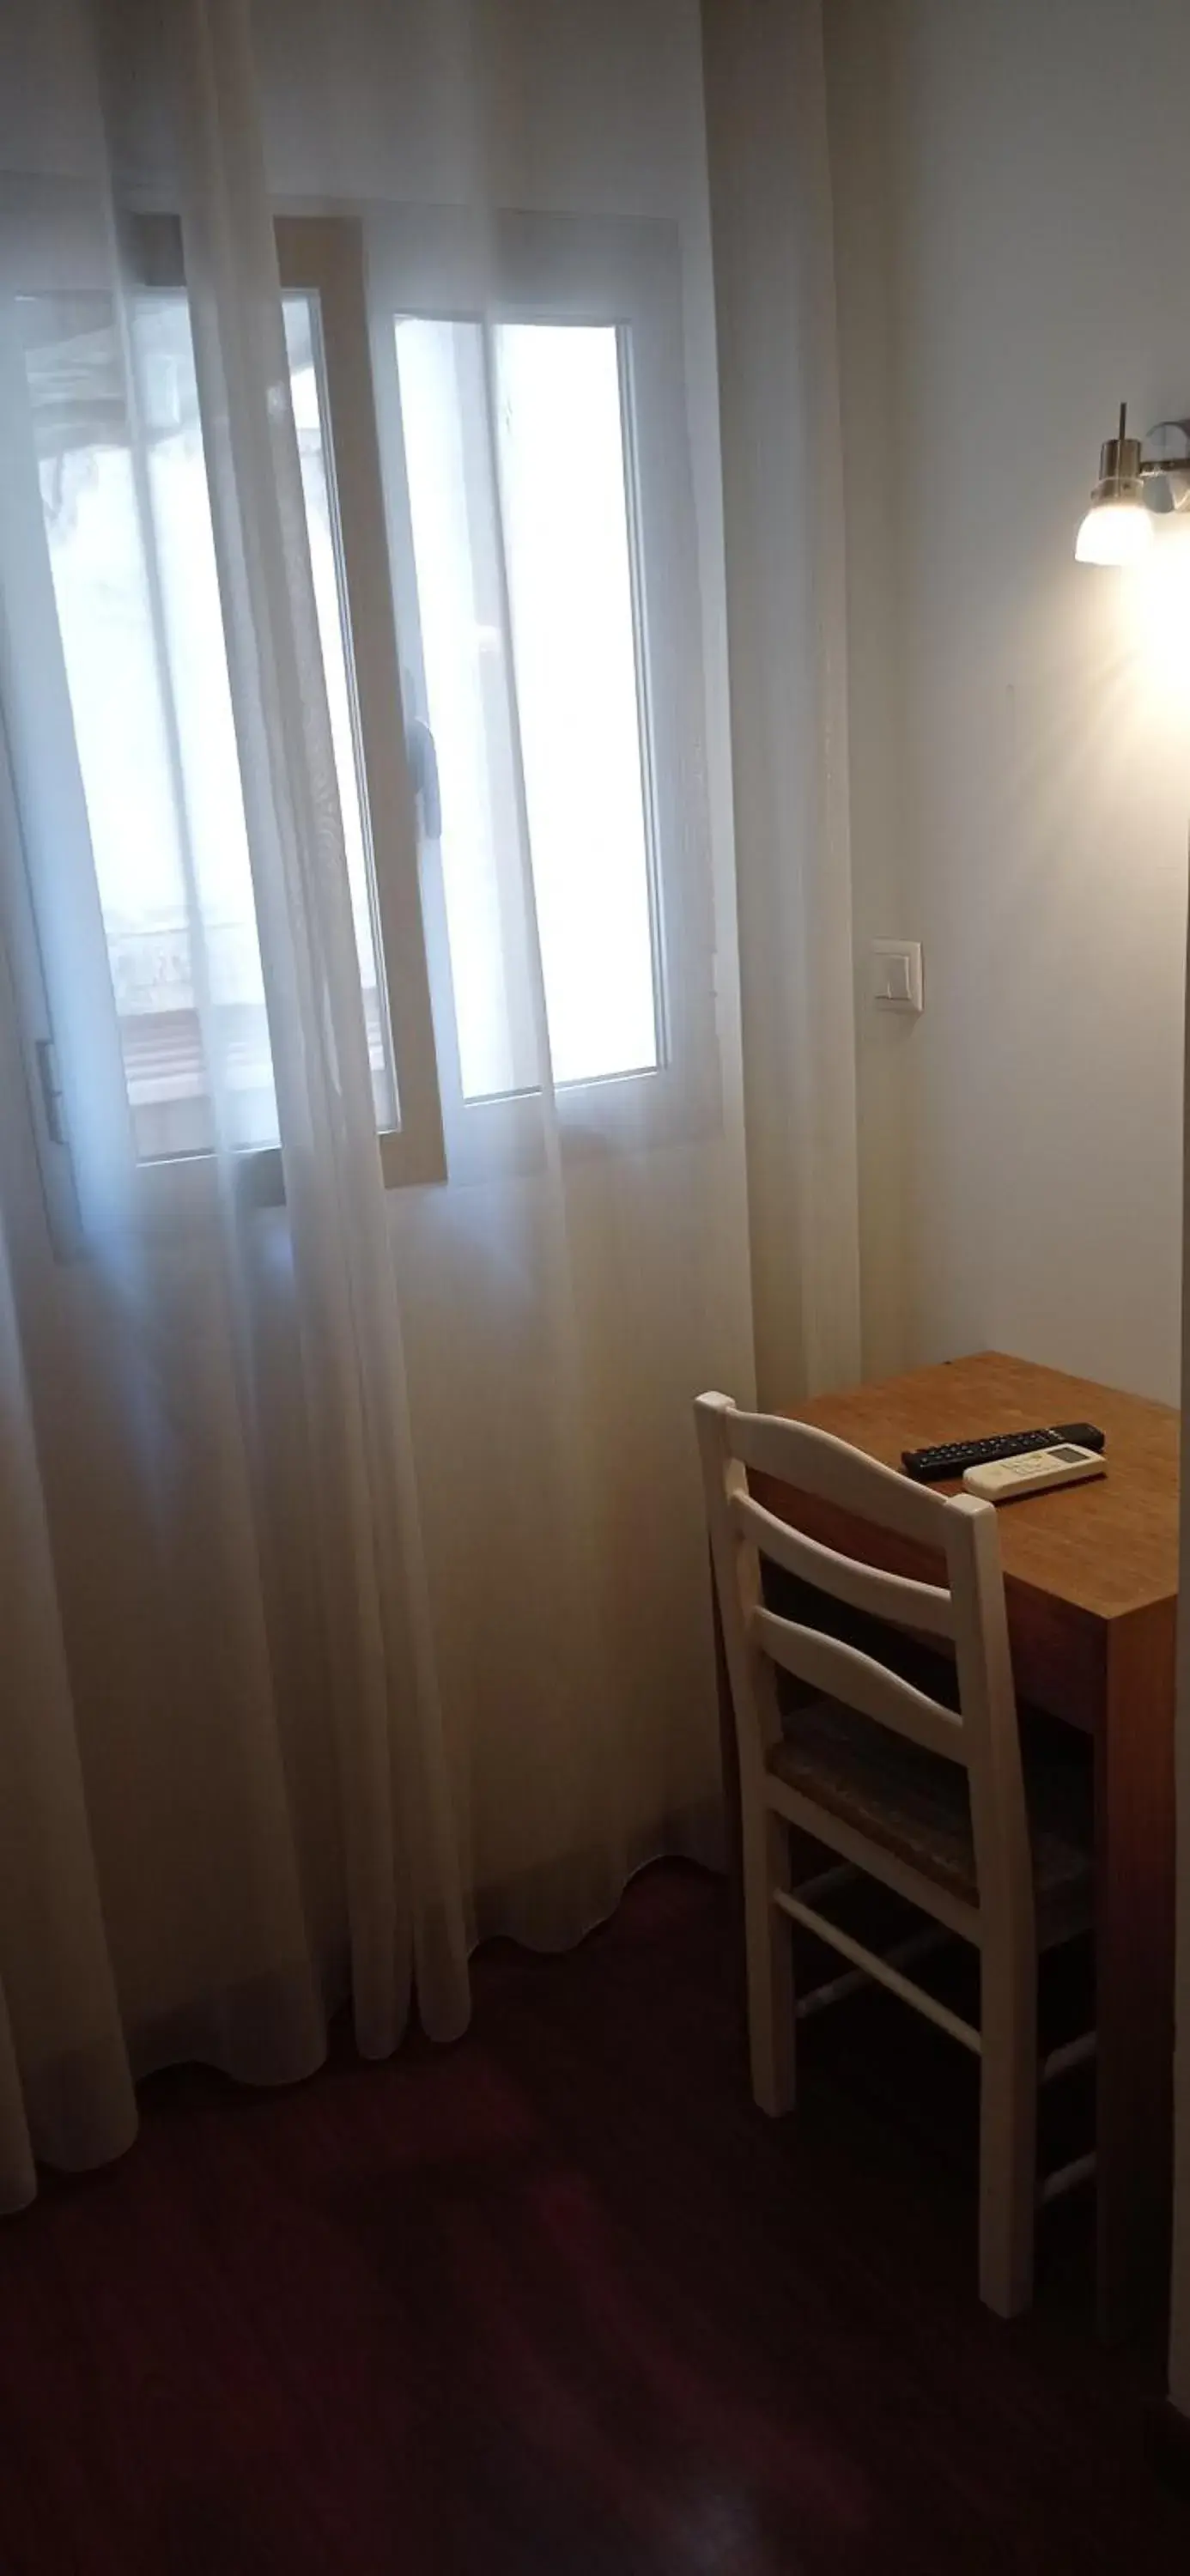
(373, 1194)
(786, 609)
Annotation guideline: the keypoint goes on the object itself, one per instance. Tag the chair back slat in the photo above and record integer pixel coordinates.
(819, 1464)
(926, 1607)
(844, 1672)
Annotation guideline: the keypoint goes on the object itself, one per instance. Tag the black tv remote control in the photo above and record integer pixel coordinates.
(937, 1466)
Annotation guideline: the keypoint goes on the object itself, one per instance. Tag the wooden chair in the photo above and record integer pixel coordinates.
(928, 1799)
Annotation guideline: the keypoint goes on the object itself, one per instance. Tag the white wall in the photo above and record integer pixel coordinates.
(1014, 210)
(1013, 236)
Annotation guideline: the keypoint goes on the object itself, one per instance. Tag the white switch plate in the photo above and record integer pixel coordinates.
(896, 974)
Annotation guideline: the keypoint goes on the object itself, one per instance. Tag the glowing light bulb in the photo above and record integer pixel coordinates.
(1114, 532)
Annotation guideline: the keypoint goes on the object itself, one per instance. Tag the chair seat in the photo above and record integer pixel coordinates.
(916, 1804)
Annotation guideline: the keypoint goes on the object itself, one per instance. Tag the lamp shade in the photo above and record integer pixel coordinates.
(1117, 528)
(1115, 531)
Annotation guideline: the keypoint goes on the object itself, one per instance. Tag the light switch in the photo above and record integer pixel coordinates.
(896, 974)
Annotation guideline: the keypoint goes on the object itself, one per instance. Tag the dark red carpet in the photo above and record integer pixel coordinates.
(559, 2300)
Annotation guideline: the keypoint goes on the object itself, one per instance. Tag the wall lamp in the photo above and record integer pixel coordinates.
(1138, 477)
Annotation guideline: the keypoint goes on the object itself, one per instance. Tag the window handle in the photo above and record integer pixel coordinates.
(422, 756)
(53, 1098)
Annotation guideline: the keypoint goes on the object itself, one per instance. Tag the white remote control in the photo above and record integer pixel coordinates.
(1003, 1479)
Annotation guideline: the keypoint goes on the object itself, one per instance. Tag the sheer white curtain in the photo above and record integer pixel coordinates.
(372, 1189)
(783, 509)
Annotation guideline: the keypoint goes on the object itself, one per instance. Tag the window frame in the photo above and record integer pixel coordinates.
(447, 263)
(323, 257)
(365, 265)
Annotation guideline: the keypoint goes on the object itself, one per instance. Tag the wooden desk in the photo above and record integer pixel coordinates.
(1091, 1575)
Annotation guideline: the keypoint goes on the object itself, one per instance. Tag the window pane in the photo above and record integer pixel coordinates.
(113, 656)
(455, 542)
(566, 540)
(135, 584)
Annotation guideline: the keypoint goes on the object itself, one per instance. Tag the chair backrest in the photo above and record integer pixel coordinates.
(967, 1610)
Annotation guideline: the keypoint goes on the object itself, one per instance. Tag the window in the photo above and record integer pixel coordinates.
(560, 393)
(533, 432)
(517, 898)
(131, 555)
(525, 585)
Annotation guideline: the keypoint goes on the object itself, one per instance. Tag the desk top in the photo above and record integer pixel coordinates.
(1107, 1548)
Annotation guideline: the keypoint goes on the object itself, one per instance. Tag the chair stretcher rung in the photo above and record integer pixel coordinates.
(1066, 2178)
(842, 1873)
(916, 1945)
(875, 1966)
(1076, 2052)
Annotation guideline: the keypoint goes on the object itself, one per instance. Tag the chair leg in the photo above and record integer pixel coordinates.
(1008, 2134)
(769, 1939)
